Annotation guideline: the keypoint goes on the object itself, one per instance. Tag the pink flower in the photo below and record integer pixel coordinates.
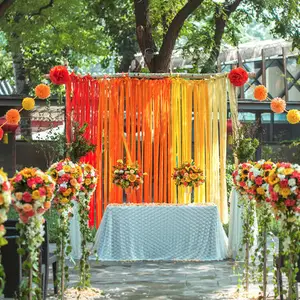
(6, 186)
(59, 167)
(30, 182)
(242, 184)
(267, 167)
(297, 209)
(79, 179)
(274, 196)
(27, 197)
(289, 202)
(92, 186)
(42, 191)
(284, 183)
(62, 189)
(258, 180)
(18, 178)
(38, 180)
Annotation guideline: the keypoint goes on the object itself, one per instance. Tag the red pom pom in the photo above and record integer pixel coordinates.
(238, 76)
(59, 75)
(1, 133)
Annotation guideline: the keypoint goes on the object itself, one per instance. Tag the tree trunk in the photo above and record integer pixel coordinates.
(21, 86)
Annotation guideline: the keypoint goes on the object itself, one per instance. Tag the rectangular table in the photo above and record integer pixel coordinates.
(161, 232)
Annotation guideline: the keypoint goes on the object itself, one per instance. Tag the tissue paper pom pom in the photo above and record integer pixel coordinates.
(59, 75)
(238, 76)
(293, 116)
(28, 103)
(278, 105)
(1, 133)
(42, 91)
(260, 93)
(13, 117)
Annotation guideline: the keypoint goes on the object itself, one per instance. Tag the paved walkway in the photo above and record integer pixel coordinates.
(163, 280)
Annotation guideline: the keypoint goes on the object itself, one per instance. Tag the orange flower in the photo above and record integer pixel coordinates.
(132, 178)
(260, 93)
(13, 117)
(42, 91)
(67, 192)
(47, 204)
(19, 196)
(28, 103)
(278, 105)
(27, 207)
(73, 182)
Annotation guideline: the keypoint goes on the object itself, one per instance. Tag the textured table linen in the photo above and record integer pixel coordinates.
(235, 234)
(163, 232)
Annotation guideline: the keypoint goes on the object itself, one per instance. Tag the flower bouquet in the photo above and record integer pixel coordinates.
(32, 192)
(240, 178)
(284, 196)
(258, 186)
(127, 176)
(188, 175)
(87, 189)
(5, 200)
(68, 177)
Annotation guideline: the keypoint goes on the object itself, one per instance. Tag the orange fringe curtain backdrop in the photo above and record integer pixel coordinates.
(164, 122)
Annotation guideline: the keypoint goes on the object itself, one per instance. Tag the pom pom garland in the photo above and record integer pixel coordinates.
(260, 93)
(238, 76)
(293, 116)
(278, 105)
(42, 91)
(12, 117)
(59, 75)
(28, 103)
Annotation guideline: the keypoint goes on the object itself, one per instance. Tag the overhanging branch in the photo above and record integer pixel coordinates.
(4, 6)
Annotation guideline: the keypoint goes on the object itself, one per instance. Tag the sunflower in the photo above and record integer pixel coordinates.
(273, 179)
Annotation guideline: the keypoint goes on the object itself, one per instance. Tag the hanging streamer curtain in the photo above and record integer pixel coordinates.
(162, 122)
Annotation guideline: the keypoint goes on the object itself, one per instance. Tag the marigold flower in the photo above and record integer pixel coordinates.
(42, 91)
(260, 93)
(278, 105)
(12, 116)
(293, 116)
(28, 103)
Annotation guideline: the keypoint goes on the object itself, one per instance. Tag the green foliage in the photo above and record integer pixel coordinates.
(245, 145)
(80, 145)
(48, 33)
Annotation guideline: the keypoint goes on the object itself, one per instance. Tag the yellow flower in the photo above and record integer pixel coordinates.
(193, 176)
(64, 200)
(293, 116)
(276, 188)
(88, 168)
(45, 178)
(4, 175)
(288, 171)
(73, 170)
(187, 179)
(273, 179)
(132, 178)
(260, 191)
(67, 192)
(285, 192)
(119, 161)
(67, 168)
(87, 181)
(36, 195)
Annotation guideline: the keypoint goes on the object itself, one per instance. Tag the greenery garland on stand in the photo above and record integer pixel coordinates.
(32, 194)
(68, 177)
(5, 201)
(87, 190)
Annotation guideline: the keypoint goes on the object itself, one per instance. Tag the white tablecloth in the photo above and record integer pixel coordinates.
(161, 232)
(235, 235)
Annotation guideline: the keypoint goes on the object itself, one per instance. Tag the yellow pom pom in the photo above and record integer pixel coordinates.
(28, 103)
(293, 116)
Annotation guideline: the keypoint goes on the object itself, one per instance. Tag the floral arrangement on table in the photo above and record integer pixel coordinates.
(32, 193)
(87, 190)
(5, 201)
(188, 175)
(68, 177)
(127, 175)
